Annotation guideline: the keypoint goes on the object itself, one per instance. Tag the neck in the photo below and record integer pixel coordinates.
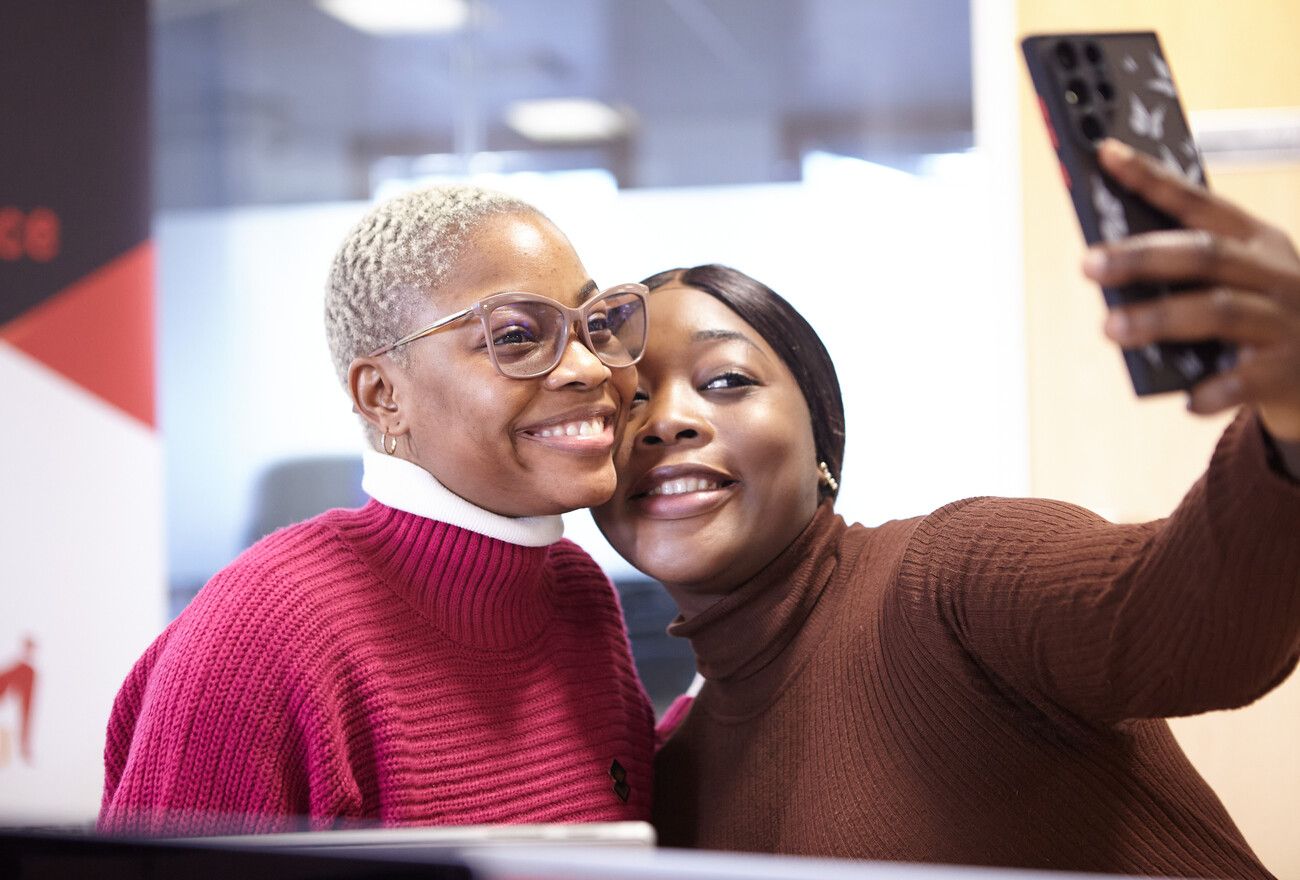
(690, 601)
(404, 485)
(741, 633)
(476, 590)
(697, 597)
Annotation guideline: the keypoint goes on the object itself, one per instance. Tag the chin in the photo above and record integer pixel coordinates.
(583, 491)
(672, 562)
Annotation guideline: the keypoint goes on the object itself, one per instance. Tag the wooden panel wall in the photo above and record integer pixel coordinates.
(1091, 441)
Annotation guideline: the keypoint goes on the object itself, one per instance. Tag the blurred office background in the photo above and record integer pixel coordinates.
(878, 162)
(791, 138)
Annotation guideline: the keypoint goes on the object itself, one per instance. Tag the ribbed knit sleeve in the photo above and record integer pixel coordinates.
(229, 721)
(1195, 612)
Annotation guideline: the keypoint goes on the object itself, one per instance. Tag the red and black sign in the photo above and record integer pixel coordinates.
(76, 269)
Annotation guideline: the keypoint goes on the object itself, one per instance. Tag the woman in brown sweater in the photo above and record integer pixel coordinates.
(983, 685)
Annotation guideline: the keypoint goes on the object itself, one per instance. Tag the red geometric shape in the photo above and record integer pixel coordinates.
(99, 332)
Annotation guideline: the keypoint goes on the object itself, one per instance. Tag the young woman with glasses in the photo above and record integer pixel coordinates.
(984, 685)
(440, 655)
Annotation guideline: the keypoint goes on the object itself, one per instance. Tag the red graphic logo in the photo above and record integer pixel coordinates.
(18, 683)
(34, 235)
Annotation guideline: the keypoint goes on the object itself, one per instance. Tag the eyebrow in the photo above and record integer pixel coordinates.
(719, 335)
(726, 336)
(583, 292)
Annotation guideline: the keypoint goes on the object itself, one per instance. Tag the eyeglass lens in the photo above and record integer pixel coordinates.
(528, 337)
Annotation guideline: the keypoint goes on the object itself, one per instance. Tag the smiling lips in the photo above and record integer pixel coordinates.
(574, 429)
(587, 433)
(681, 491)
(684, 485)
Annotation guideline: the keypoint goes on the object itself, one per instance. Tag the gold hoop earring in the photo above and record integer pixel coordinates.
(388, 450)
(826, 477)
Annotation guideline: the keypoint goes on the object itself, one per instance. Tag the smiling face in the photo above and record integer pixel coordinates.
(518, 447)
(717, 471)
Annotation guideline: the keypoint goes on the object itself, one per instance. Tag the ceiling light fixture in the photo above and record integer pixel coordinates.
(392, 17)
(566, 120)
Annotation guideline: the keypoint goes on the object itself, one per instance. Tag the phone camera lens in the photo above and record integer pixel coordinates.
(1076, 93)
(1092, 52)
(1066, 56)
(1105, 90)
(1092, 128)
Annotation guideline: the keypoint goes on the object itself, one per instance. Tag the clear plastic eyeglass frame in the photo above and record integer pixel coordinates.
(571, 314)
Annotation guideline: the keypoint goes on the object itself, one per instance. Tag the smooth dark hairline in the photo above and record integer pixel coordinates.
(805, 356)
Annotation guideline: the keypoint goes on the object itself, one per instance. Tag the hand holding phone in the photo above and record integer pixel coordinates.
(1247, 291)
(1094, 86)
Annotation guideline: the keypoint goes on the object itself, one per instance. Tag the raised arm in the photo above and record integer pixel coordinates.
(1108, 622)
(1196, 612)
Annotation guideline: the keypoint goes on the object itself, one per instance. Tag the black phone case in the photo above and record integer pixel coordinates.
(1092, 86)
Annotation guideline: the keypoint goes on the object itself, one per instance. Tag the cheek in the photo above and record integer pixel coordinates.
(771, 447)
(622, 382)
(625, 443)
(479, 416)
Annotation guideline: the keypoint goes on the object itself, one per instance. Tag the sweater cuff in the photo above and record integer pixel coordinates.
(1251, 468)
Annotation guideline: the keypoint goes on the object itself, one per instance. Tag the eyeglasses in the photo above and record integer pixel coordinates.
(527, 333)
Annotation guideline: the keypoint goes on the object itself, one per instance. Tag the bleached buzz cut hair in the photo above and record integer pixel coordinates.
(396, 255)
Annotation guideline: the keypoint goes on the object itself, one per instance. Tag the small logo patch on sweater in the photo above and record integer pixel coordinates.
(619, 775)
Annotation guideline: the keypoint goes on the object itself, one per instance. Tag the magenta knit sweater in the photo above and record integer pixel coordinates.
(371, 665)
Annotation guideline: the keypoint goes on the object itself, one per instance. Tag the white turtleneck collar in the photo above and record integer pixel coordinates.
(403, 485)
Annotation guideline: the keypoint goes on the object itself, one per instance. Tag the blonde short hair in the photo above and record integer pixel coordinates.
(396, 255)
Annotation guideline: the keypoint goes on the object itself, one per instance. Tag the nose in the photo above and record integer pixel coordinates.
(671, 419)
(578, 368)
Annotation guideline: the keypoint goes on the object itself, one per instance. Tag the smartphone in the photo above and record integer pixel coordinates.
(1092, 86)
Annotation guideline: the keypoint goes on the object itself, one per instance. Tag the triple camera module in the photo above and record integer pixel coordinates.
(1089, 93)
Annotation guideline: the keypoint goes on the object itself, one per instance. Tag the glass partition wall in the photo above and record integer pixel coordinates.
(823, 146)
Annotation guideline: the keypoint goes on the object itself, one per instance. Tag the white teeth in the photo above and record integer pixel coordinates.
(684, 485)
(588, 428)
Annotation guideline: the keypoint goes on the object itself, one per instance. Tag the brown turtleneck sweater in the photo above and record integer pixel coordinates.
(984, 685)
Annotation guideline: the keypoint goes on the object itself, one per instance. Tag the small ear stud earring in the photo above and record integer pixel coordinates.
(826, 476)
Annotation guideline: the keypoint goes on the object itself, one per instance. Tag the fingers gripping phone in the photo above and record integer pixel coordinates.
(1093, 86)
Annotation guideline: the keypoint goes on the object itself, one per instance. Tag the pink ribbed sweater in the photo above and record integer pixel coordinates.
(372, 665)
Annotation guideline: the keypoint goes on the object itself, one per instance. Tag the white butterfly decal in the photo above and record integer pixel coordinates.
(1163, 81)
(1148, 123)
(1192, 173)
(1189, 364)
(1110, 211)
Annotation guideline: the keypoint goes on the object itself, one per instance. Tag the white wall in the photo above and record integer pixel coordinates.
(892, 270)
(81, 537)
